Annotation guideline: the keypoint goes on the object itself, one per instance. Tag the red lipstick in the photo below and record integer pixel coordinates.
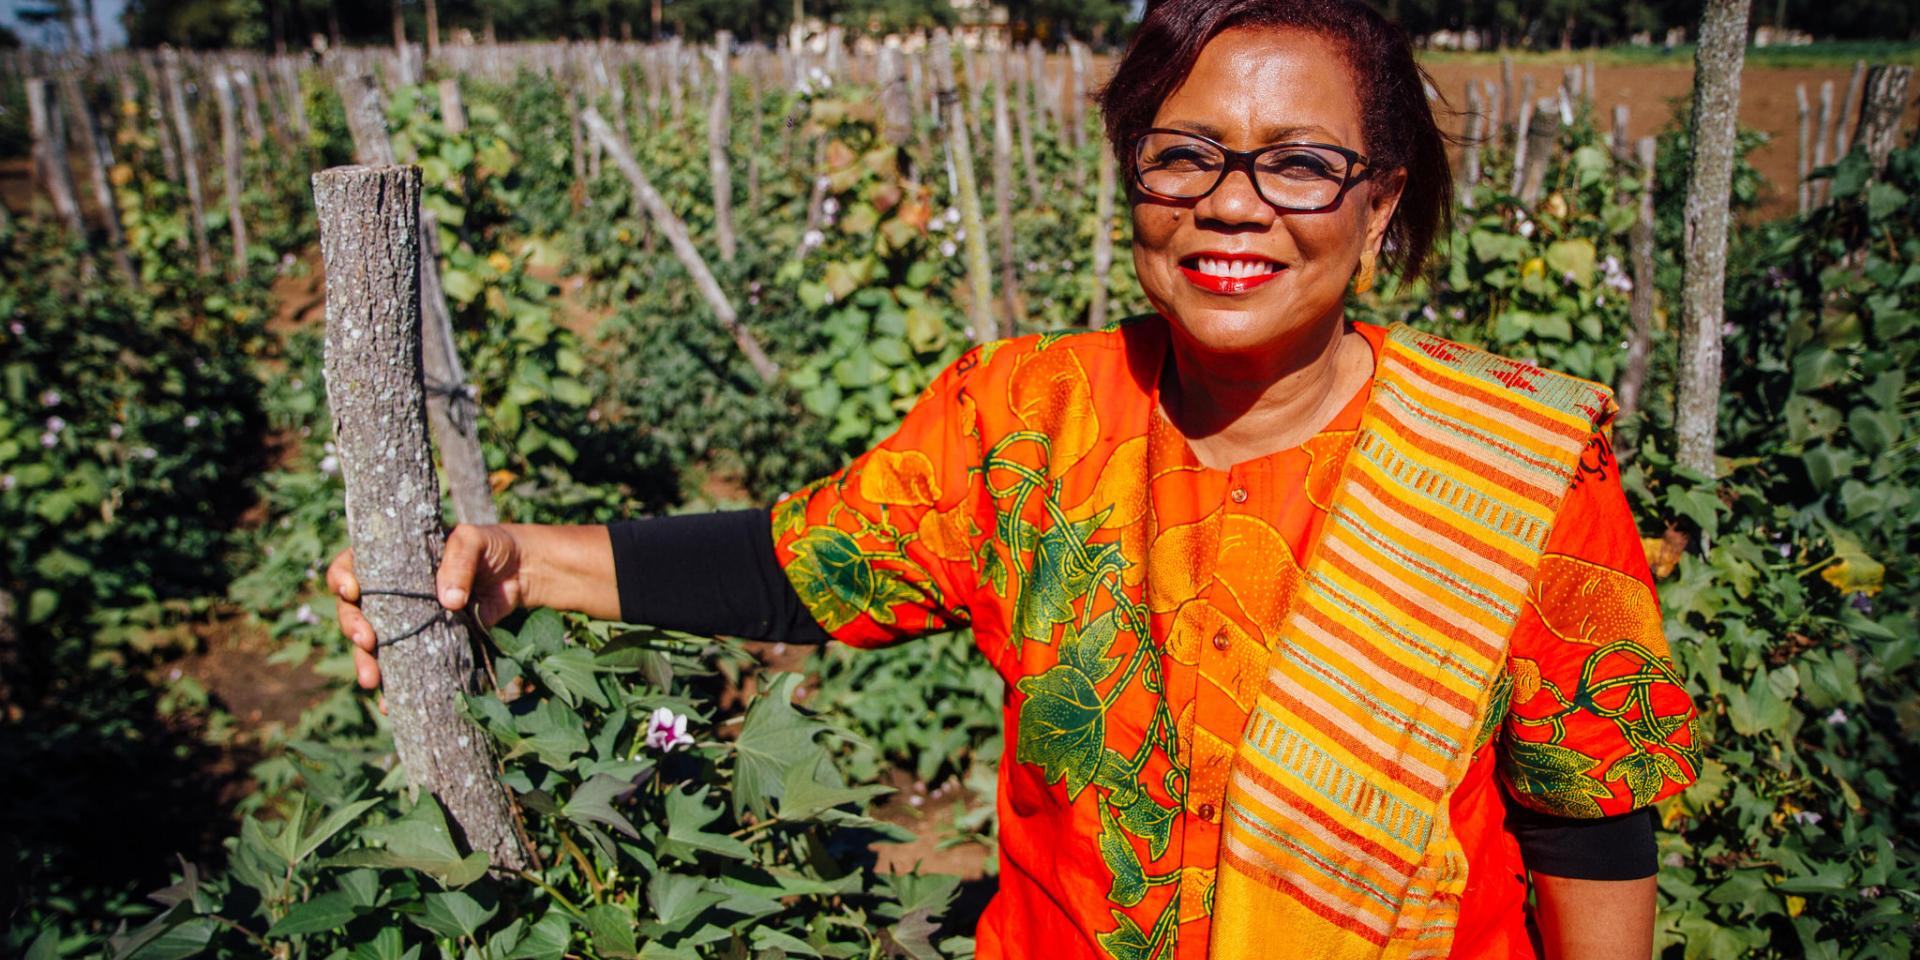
(1227, 273)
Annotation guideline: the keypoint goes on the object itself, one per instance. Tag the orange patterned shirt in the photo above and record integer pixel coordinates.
(1128, 596)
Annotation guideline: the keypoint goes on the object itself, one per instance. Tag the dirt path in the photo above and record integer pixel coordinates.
(1766, 104)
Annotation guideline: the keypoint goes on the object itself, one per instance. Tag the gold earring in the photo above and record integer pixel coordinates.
(1363, 279)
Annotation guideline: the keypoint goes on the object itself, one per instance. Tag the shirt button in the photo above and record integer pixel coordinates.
(1239, 494)
(1221, 640)
(1205, 811)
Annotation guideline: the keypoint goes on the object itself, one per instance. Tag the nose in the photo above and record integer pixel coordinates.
(1235, 202)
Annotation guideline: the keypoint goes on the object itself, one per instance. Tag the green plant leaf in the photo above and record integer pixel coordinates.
(687, 817)
(453, 914)
(772, 738)
(329, 911)
(570, 674)
(612, 930)
(678, 899)
(592, 802)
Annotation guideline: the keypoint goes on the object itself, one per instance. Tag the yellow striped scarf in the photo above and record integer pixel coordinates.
(1335, 837)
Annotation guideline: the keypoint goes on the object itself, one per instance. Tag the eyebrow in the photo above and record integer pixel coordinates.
(1268, 135)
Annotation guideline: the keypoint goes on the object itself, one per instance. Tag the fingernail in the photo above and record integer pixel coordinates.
(453, 598)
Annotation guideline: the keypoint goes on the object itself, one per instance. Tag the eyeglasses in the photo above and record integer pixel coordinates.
(1306, 177)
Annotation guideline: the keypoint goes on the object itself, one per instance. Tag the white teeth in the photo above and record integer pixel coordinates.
(1234, 269)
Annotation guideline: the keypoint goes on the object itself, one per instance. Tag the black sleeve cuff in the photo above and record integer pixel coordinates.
(1608, 848)
(708, 573)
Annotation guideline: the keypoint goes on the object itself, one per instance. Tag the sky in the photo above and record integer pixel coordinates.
(106, 13)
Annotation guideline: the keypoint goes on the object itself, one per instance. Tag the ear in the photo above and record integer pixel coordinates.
(1383, 197)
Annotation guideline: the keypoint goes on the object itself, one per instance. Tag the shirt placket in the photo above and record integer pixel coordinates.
(1247, 492)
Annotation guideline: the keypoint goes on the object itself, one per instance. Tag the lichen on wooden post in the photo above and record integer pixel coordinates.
(369, 238)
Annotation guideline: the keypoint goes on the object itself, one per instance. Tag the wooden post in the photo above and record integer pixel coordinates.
(896, 109)
(719, 137)
(1803, 158)
(683, 249)
(99, 153)
(163, 128)
(1470, 150)
(960, 149)
(1716, 101)
(756, 106)
(369, 230)
(451, 405)
(1102, 235)
(1077, 106)
(249, 106)
(1003, 190)
(1505, 106)
(1543, 129)
(1845, 135)
(50, 154)
(1823, 135)
(1023, 121)
(1640, 254)
(189, 161)
(453, 113)
(231, 172)
(1881, 105)
(1621, 143)
(1037, 82)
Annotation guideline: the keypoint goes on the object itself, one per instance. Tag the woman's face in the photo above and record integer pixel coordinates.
(1250, 88)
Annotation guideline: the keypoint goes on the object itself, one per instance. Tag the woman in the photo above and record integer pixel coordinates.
(1319, 637)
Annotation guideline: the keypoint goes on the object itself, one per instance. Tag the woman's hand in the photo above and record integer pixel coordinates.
(481, 562)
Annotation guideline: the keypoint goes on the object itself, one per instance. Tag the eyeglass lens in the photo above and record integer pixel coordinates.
(1292, 176)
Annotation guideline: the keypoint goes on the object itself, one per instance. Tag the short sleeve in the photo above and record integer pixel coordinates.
(889, 547)
(1598, 722)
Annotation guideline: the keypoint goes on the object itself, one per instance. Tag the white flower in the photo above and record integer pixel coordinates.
(1807, 818)
(1837, 717)
(114, 430)
(952, 215)
(947, 249)
(48, 440)
(192, 420)
(49, 398)
(146, 453)
(830, 206)
(7, 481)
(1526, 228)
(329, 464)
(17, 328)
(1066, 265)
(55, 424)
(1786, 550)
(667, 731)
(822, 182)
(811, 239)
(306, 615)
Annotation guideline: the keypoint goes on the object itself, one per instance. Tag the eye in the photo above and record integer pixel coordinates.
(1301, 165)
(1182, 157)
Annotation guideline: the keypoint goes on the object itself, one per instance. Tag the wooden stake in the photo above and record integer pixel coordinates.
(1470, 152)
(683, 249)
(1102, 236)
(1622, 144)
(1505, 107)
(231, 174)
(1003, 191)
(249, 106)
(1633, 377)
(99, 153)
(1023, 121)
(163, 127)
(1716, 101)
(960, 150)
(1845, 135)
(1881, 107)
(453, 112)
(1820, 141)
(896, 108)
(189, 161)
(369, 235)
(719, 136)
(1543, 129)
(50, 154)
(1803, 159)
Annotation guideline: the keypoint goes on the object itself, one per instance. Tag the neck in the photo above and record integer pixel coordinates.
(1238, 407)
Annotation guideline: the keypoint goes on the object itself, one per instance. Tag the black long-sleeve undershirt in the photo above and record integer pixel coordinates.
(717, 573)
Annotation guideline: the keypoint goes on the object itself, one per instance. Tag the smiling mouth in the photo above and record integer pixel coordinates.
(1229, 273)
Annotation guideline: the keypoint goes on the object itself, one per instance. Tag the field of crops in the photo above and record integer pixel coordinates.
(192, 772)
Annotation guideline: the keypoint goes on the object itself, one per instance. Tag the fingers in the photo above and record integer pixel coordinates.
(454, 580)
(340, 578)
(353, 623)
(366, 669)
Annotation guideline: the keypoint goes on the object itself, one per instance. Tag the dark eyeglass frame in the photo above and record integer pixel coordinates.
(1243, 160)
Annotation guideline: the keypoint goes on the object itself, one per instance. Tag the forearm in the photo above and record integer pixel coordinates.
(1595, 919)
(567, 568)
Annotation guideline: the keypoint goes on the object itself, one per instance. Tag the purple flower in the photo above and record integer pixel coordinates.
(1807, 818)
(1837, 717)
(667, 731)
(49, 398)
(56, 423)
(1862, 603)
(17, 328)
(306, 615)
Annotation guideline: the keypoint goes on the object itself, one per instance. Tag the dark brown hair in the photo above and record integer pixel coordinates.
(1392, 90)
